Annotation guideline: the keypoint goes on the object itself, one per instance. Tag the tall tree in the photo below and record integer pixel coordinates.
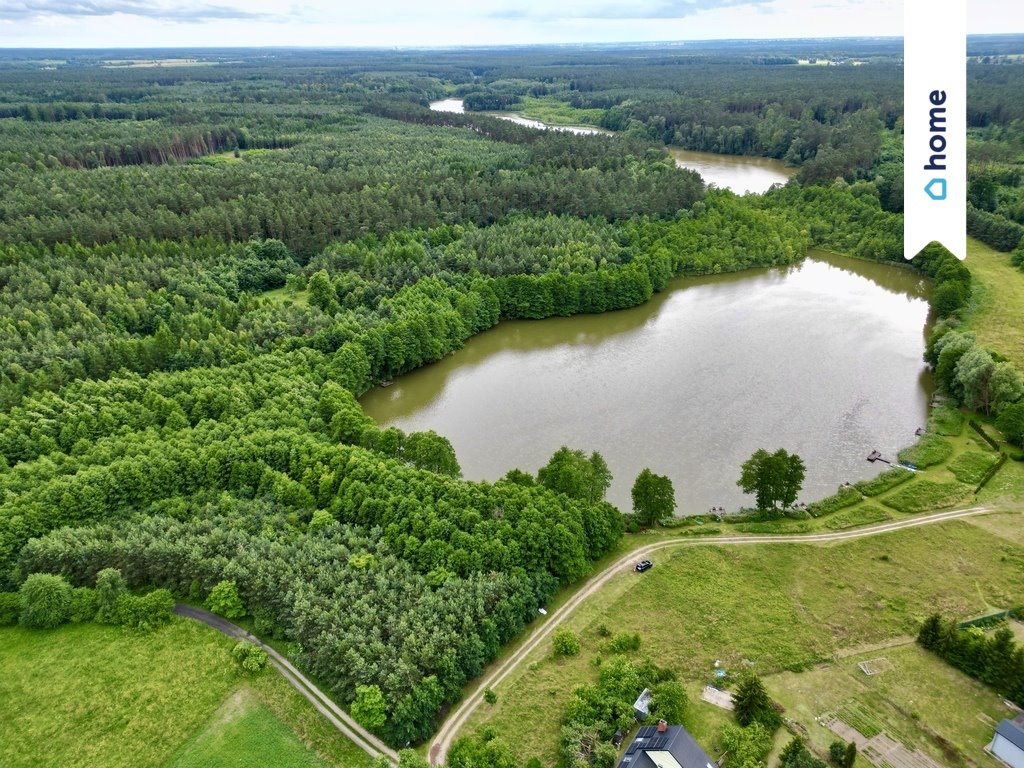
(774, 478)
(572, 473)
(654, 498)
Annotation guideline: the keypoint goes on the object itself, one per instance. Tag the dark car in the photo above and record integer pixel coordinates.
(643, 565)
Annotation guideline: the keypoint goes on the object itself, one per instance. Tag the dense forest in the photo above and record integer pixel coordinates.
(203, 268)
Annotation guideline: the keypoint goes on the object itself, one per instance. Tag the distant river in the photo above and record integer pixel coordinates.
(823, 358)
(739, 173)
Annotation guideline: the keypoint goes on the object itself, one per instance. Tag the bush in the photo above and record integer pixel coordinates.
(565, 642)
(929, 451)
(884, 482)
(490, 696)
(45, 601)
(369, 708)
(846, 496)
(83, 604)
(250, 657)
(110, 587)
(623, 642)
(10, 607)
(224, 600)
(752, 704)
(947, 420)
(145, 612)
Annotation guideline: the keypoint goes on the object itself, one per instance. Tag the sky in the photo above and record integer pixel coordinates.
(404, 23)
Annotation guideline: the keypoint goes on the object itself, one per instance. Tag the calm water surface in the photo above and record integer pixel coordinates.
(823, 358)
(741, 174)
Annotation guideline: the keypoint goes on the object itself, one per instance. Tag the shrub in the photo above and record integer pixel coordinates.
(83, 604)
(490, 696)
(369, 707)
(752, 704)
(145, 612)
(929, 451)
(837, 753)
(947, 420)
(884, 482)
(846, 496)
(10, 607)
(45, 601)
(565, 642)
(623, 642)
(224, 600)
(109, 588)
(250, 657)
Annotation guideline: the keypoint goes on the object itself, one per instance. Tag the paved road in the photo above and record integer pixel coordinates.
(458, 718)
(335, 714)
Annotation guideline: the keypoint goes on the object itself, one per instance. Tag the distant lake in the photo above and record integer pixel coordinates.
(823, 358)
(740, 173)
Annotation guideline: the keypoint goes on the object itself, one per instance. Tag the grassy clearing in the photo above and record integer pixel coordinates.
(777, 607)
(929, 451)
(240, 731)
(884, 482)
(94, 695)
(286, 296)
(555, 112)
(997, 317)
(927, 495)
(970, 466)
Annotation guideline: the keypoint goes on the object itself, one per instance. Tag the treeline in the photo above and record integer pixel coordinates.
(342, 183)
(995, 659)
(356, 611)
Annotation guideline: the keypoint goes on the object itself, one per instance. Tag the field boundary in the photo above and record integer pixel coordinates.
(340, 719)
(438, 751)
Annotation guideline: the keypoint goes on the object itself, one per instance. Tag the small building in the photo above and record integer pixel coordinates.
(665, 746)
(642, 705)
(1008, 742)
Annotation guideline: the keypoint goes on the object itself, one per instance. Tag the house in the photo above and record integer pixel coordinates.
(665, 746)
(1008, 742)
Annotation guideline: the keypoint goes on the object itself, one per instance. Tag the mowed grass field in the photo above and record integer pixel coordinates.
(96, 695)
(998, 315)
(241, 731)
(771, 608)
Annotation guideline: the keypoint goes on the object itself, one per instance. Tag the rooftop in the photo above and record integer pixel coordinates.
(674, 748)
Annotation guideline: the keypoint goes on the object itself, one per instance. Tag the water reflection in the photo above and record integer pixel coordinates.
(823, 358)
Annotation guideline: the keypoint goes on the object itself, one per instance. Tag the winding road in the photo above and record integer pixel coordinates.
(338, 717)
(461, 714)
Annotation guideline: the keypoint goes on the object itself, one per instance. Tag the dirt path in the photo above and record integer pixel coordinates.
(461, 714)
(335, 714)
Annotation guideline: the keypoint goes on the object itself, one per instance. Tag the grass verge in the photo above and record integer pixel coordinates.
(767, 607)
(97, 695)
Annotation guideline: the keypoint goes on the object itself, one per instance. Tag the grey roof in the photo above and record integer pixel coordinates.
(1012, 732)
(643, 703)
(675, 740)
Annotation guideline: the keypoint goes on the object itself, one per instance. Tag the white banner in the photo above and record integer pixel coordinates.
(935, 126)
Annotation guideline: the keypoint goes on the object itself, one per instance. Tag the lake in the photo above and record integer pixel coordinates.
(823, 358)
(740, 173)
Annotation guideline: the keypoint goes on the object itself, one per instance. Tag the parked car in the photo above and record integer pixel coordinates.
(643, 565)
